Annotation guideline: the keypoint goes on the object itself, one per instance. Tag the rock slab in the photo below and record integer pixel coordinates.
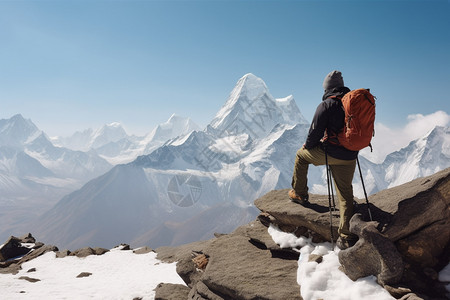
(237, 268)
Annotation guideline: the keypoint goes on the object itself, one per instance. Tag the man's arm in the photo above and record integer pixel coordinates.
(318, 126)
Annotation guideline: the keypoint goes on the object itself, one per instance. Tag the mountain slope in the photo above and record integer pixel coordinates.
(422, 157)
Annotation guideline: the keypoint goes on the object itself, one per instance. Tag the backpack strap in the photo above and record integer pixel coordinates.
(332, 137)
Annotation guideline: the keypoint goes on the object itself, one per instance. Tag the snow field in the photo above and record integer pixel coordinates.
(118, 274)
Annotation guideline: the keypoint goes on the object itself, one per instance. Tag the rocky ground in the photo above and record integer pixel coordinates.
(405, 246)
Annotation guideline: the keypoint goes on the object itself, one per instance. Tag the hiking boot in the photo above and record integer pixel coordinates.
(298, 199)
(344, 243)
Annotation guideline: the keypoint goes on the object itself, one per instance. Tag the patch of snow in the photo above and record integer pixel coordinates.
(325, 280)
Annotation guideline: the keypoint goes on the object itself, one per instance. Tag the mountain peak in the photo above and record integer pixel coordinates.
(17, 130)
(175, 126)
(17, 117)
(250, 85)
(251, 109)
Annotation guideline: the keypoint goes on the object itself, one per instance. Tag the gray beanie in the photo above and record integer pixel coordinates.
(332, 80)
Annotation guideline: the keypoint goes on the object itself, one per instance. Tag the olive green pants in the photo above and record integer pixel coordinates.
(342, 171)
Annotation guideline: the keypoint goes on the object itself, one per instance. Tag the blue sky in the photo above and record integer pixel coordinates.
(71, 65)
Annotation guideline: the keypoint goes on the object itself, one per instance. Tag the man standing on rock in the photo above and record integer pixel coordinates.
(328, 121)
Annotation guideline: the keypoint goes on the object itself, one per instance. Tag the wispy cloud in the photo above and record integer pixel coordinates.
(388, 140)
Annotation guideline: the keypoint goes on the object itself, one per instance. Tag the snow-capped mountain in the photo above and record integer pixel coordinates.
(422, 157)
(252, 110)
(187, 182)
(175, 126)
(241, 155)
(17, 131)
(34, 174)
(113, 144)
(22, 141)
(92, 139)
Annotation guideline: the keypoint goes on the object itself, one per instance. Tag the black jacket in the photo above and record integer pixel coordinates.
(329, 116)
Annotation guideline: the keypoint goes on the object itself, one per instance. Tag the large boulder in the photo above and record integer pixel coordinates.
(378, 253)
(416, 217)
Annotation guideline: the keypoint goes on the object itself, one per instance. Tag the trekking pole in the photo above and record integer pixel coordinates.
(364, 188)
(329, 198)
(331, 188)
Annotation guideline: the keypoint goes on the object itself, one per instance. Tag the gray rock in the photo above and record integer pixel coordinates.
(100, 251)
(188, 271)
(36, 253)
(239, 269)
(175, 254)
(416, 216)
(28, 238)
(84, 274)
(13, 249)
(38, 245)
(11, 268)
(287, 214)
(202, 292)
(29, 279)
(123, 247)
(143, 250)
(62, 254)
(379, 254)
(83, 252)
(315, 258)
(170, 291)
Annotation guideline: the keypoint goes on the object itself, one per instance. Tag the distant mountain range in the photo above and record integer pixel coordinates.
(180, 183)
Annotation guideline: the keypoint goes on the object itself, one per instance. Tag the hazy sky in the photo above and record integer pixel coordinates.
(71, 65)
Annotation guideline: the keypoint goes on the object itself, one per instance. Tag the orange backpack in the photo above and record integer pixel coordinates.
(359, 108)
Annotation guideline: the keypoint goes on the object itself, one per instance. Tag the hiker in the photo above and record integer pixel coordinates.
(327, 122)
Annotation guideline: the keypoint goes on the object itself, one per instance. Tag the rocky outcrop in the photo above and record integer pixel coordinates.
(21, 250)
(245, 264)
(406, 245)
(290, 216)
(17, 251)
(416, 217)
